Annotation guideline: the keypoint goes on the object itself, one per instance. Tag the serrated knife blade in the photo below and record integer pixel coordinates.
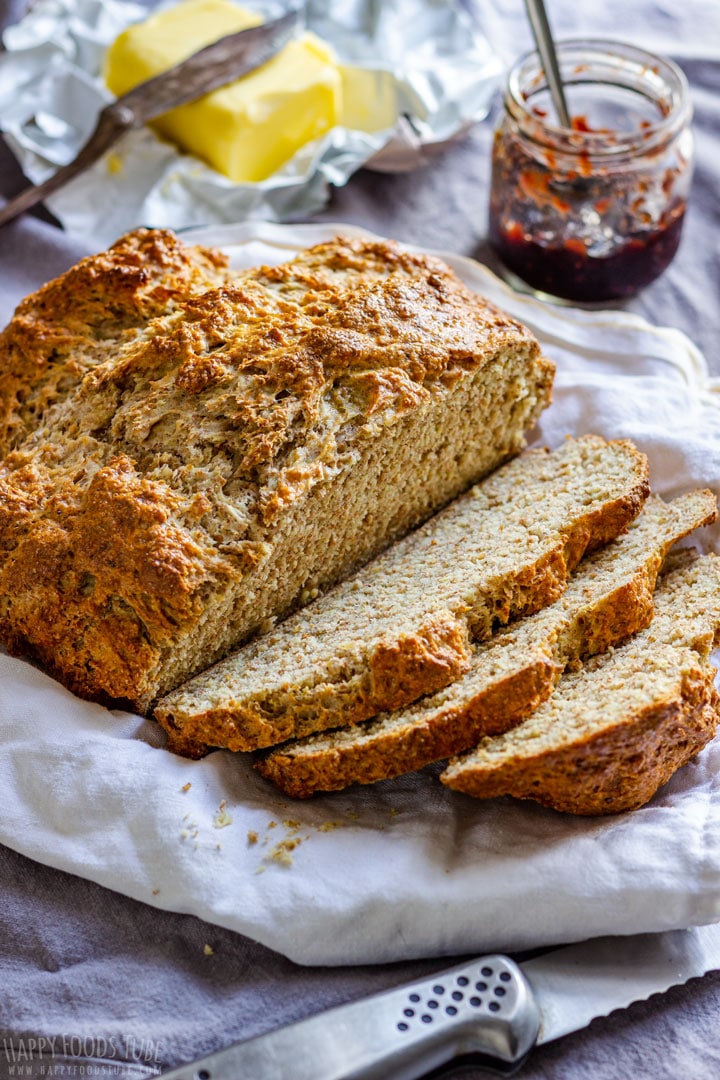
(576, 984)
(492, 1007)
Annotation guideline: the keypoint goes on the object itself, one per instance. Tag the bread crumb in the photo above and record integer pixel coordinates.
(222, 818)
(282, 852)
(208, 950)
(272, 824)
(328, 826)
(155, 892)
(186, 787)
(252, 837)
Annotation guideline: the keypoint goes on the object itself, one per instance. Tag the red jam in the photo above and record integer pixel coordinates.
(593, 212)
(568, 270)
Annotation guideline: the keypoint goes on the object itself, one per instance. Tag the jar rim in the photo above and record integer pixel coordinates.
(658, 73)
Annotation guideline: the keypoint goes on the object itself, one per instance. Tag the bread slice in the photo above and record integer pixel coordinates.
(617, 729)
(250, 444)
(608, 598)
(402, 626)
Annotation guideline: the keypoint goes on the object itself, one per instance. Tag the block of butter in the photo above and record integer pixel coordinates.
(247, 129)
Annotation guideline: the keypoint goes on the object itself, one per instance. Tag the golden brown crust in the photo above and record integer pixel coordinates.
(73, 322)
(616, 770)
(189, 414)
(401, 671)
(78, 574)
(609, 599)
(448, 731)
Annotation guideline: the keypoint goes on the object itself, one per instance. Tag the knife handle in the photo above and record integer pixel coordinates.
(112, 122)
(485, 1007)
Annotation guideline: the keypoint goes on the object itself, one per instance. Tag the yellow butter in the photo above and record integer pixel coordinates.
(250, 128)
(369, 99)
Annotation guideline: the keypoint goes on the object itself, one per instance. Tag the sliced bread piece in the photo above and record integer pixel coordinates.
(608, 598)
(617, 729)
(402, 626)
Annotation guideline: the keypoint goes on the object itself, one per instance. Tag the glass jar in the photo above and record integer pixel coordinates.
(592, 212)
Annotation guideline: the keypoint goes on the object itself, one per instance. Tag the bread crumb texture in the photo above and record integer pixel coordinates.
(609, 597)
(615, 730)
(191, 451)
(403, 625)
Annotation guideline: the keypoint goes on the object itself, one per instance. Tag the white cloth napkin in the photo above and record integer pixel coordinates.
(405, 868)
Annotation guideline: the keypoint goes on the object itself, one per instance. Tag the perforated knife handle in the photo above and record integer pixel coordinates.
(485, 1007)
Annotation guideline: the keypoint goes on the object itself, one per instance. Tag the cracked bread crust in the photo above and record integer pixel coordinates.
(217, 445)
(71, 324)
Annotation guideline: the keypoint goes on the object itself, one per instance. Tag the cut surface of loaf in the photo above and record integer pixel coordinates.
(616, 730)
(402, 626)
(250, 443)
(608, 598)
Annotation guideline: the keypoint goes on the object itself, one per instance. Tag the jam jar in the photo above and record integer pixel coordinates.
(592, 212)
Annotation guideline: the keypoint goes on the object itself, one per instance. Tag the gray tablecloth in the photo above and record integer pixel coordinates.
(105, 976)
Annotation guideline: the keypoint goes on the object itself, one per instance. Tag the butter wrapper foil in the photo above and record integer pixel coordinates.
(428, 58)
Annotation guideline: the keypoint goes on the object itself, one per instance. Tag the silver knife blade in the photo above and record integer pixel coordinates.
(574, 985)
(222, 62)
(491, 1007)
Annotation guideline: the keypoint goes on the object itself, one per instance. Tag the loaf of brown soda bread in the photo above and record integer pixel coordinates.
(194, 452)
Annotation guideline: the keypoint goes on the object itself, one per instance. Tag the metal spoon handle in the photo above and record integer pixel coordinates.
(548, 55)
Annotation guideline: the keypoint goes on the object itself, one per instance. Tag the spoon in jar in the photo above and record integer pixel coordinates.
(546, 48)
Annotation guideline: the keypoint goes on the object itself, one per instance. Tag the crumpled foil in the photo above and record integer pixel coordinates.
(443, 70)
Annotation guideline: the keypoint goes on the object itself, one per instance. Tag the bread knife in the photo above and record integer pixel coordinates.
(492, 1007)
(225, 60)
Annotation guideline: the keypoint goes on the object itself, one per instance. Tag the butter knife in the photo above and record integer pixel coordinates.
(222, 62)
(491, 1007)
